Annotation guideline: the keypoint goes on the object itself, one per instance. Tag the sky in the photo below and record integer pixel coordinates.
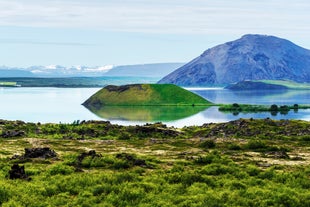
(125, 32)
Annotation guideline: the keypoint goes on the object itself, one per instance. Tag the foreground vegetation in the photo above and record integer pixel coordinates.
(239, 163)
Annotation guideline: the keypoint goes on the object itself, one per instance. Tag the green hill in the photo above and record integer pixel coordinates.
(144, 95)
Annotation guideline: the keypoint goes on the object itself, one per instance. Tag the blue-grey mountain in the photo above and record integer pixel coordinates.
(144, 70)
(252, 57)
(8, 73)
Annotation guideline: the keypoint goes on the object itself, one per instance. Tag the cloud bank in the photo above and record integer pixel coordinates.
(159, 16)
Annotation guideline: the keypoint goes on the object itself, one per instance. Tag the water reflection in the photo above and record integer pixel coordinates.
(146, 113)
(186, 116)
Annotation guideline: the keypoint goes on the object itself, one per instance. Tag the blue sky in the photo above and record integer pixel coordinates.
(119, 32)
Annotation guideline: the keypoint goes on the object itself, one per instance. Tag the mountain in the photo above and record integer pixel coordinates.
(144, 70)
(252, 57)
(8, 73)
(143, 95)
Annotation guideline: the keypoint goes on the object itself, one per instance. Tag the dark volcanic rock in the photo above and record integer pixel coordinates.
(277, 155)
(18, 172)
(252, 57)
(122, 88)
(12, 133)
(30, 153)
(44, 153)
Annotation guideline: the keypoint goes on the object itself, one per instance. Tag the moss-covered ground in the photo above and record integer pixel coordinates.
(238, 163)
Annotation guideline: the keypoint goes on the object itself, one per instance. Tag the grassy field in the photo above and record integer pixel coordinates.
(145, 95)
(239, 163)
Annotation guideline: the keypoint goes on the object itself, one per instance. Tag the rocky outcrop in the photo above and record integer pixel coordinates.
(18, 172)
(12, 133)
(252, 57)
(30, 153)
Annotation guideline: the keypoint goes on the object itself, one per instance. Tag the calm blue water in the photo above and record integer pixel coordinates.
(64, 105)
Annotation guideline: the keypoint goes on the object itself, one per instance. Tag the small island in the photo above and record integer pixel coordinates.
(268, 85)
(145, 95)
(8, 84)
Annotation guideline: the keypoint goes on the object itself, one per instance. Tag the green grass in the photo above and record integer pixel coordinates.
(145, 95)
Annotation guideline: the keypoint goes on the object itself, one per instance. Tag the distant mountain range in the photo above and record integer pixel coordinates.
(9, 73)
(146, 70)
(252, 57)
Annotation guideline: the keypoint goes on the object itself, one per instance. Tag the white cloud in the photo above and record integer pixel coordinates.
(51, 67)
(174, 16)
(105, 68)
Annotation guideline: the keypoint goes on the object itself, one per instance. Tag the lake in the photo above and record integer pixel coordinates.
(64, 105)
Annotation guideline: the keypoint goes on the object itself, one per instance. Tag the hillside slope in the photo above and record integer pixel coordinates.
(252, 57)
(143, 95)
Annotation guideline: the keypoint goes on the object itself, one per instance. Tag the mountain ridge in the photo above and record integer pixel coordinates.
(158, 70)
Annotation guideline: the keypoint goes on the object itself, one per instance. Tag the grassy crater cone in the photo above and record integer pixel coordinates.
(144, 95)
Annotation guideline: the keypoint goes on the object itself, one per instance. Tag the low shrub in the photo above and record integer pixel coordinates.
(207, 144)
(60, 169)
(234, 146)
(256, 145)
(4, 195)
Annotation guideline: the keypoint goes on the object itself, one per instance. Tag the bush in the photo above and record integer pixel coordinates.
(60, 169)
(255, 145)
(274, 107)
(234, 146)
(207, 144)
(217, 169)
(4, 195)
(252, 170)
(235, 105)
